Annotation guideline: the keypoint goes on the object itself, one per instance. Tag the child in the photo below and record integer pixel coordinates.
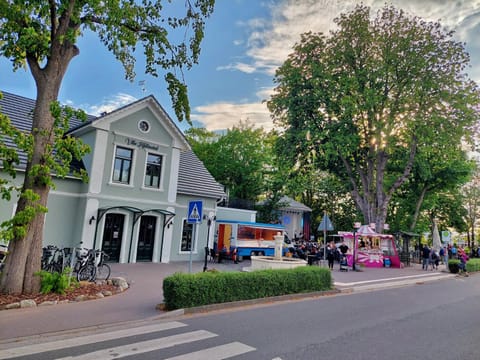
(463, 263)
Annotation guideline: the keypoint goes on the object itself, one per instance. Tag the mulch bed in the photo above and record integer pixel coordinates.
(88, 289)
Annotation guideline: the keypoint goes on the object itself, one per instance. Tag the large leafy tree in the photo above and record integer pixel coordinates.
(436, 174)
(238, 159)
(374, 90)
(42, 35)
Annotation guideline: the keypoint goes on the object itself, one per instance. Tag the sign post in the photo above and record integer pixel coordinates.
(325, 225)
(194, 216)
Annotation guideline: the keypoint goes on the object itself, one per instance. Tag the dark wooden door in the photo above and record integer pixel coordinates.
(112, 236)
(146, 238)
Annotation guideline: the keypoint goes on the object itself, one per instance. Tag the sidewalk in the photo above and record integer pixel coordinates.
(138, 302)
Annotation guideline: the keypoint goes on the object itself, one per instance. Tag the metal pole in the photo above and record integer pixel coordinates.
(191, 248)
(354, 249)
(324, 238)
(324, 242)
(209, 222)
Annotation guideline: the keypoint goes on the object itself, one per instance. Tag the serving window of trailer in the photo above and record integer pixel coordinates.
(247, 232)
(386, 245)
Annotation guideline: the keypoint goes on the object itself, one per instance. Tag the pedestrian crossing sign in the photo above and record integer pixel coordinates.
(195, 209)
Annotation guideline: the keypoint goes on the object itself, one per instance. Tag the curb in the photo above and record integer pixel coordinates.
(385, 284)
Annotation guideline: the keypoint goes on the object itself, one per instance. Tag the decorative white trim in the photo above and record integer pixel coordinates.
(98, 162)
(167, 239)
(88, 230)
(123, 258)
(144, 123)
(173, 181)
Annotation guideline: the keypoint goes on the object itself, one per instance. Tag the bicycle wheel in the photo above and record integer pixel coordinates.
(103, 272)
(87, 273)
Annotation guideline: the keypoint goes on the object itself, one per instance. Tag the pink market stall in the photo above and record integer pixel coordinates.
(372, 249)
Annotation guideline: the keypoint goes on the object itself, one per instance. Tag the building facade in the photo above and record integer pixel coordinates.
(142, 177)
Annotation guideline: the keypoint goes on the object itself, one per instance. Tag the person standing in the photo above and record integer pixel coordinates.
(425, 257)
(331, 255)
(454, 252)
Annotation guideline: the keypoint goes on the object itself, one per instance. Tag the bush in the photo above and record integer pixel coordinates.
(453, 266)
(190, 290)
(473, 265)
(55, 282)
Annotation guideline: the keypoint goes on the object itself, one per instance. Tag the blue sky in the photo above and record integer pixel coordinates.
(245, 41)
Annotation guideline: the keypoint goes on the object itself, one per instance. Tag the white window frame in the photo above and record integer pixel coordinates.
(132, 167)
(194, 239)
(162, 171)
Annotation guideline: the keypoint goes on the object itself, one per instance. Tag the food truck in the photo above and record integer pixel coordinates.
(372, 249)
(246, 238)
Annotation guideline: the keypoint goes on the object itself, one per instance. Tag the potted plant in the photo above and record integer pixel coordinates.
(453, 266)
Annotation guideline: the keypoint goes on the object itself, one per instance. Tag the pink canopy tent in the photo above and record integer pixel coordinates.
(371, 249)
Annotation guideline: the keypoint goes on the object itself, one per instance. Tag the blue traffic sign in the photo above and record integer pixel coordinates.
(195, 209)
(326, 224)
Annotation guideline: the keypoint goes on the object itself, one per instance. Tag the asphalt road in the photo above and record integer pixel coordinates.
(434, 320)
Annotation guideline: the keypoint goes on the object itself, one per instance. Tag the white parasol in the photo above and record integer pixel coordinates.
(437, 244)
(365, 230)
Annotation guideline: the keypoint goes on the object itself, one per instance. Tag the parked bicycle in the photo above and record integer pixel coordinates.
(103, 269)
(53, 259)
(86, 264)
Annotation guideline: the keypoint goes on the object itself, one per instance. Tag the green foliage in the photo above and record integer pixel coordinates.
(56, 160)
(238, 159)
(55, 282)
(189, 290)
(30, 30)
(473, 265)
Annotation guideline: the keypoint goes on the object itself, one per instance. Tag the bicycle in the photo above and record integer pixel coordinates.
(84, 265)
(103, 269)
(52, 259)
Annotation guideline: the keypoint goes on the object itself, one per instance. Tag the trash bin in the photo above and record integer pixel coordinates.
(387, 262)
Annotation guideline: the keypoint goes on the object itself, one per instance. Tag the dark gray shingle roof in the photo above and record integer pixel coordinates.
(193, 178)
(20, 111)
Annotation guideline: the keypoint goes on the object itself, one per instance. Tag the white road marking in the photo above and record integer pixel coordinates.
(88, 339)
(216, 353)
(143, 346)
(433, 275)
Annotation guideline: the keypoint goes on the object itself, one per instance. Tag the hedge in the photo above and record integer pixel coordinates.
(473, 265)
(182, 290)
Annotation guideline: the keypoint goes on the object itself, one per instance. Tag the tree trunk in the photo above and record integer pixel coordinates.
(417, 209)
(24, 258)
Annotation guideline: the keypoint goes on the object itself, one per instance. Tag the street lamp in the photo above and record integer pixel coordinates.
(207, 248)
(356, 226)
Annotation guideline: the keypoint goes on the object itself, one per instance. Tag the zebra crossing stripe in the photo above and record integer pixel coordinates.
(143, 346)
(88, 339)
(216, 353)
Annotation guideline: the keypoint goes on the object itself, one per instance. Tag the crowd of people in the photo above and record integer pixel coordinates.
(432, 257)
(304, 249)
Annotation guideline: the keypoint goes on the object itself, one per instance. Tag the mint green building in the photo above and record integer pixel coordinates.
(142, 177)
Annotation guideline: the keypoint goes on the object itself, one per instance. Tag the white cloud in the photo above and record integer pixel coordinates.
(224, 115)
(269, 44)
(245, 68)
(109, 104)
